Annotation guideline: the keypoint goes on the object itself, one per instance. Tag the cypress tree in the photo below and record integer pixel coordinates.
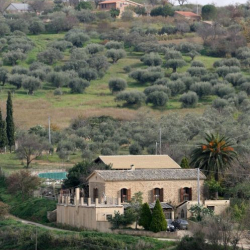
(3, 135)
(10, 129)
(158, 222)
(184, 163)
(145, 216)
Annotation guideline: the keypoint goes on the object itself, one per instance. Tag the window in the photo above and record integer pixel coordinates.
(158, 194)
(95, 193)
(168, 215)
(185, 194)
(125, 195)
(182, 214)
(211, 207)
(108, 216)
(120, 5)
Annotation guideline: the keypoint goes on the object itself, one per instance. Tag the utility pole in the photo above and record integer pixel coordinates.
(49, 132)
(36, 239)
(160, 141)
(197, 9)
(156, 148)
(198, 185)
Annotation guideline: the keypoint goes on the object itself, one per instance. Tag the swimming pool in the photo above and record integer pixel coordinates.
(53, 175)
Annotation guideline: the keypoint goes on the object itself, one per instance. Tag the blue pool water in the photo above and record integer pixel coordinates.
(53, 175)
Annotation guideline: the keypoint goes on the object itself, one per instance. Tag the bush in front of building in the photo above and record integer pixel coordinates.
(145, 216)
(158, 222)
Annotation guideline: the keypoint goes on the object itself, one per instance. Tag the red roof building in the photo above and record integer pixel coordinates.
(187, 15)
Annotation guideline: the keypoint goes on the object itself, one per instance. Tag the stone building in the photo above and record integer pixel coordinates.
(117, 4)
(18, 8)
(168, 185)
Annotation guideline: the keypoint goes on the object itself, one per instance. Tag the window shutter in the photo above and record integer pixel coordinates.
(190, 194)
(181, 194)
(161, 195)
(121, 194)
(129, 194)
(153, 195)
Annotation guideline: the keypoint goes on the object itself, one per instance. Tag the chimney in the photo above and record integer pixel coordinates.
(132, 167)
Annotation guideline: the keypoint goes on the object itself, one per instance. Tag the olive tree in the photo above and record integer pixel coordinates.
(94, 48)
(88, 73)
(4, 29)
(222, 90)
(114, 45)
(50, 56)
(197, 71)
(219, 104)
(201, 88)
(158, 88)
(11, 57)
(152, 59)
(31, 84)
(148, 75)
(197, 64)
(131, 97)
(189, 99)
(36, 27)
(3, 75)
(77, 37)
(176, 87)
(116, 54)
(175, 63)
(157, 98)
(78, 85)
(233, 78)
(16, 80)
(117, 84)
(61, 45)
(58, 79)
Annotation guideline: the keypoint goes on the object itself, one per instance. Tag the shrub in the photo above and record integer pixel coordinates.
(127, 15)
(145, 216)
(168, 29)
(36, 27)
(114, 45)
(157, 98)
(201, 88)
(152, 59)
(116, 54)
(158, 222)
(183, 27)
(187, 47)
(58, 91)
(135, 149)
(19, 70)
(131, 97)
(3, 75)
(114, 12)
(189, 99)
(78, 85)
(166, 10)
(4, 29)
(117, 84)
(127, 69)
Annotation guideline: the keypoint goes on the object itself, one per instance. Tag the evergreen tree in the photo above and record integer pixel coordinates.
(185, 163)
(158, 222)
(3, 135)
(10, 129)
(145, 216)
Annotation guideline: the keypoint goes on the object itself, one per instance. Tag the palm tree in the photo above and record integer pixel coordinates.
(214, 156)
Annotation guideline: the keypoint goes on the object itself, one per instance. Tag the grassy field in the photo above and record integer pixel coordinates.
(97, 99)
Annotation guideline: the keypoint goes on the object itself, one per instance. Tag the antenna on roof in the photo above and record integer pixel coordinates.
(160, 141)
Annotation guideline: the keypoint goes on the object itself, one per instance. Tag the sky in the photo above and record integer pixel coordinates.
(218, 2)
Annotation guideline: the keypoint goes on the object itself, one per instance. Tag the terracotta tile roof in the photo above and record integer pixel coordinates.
(187, 13)
(139, 161)
(110, 1)
(148, 174)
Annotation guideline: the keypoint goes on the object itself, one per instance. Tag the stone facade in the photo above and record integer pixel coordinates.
(88, 216)
(171, 188)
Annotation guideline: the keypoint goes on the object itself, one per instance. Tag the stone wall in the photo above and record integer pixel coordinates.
(171, 189)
